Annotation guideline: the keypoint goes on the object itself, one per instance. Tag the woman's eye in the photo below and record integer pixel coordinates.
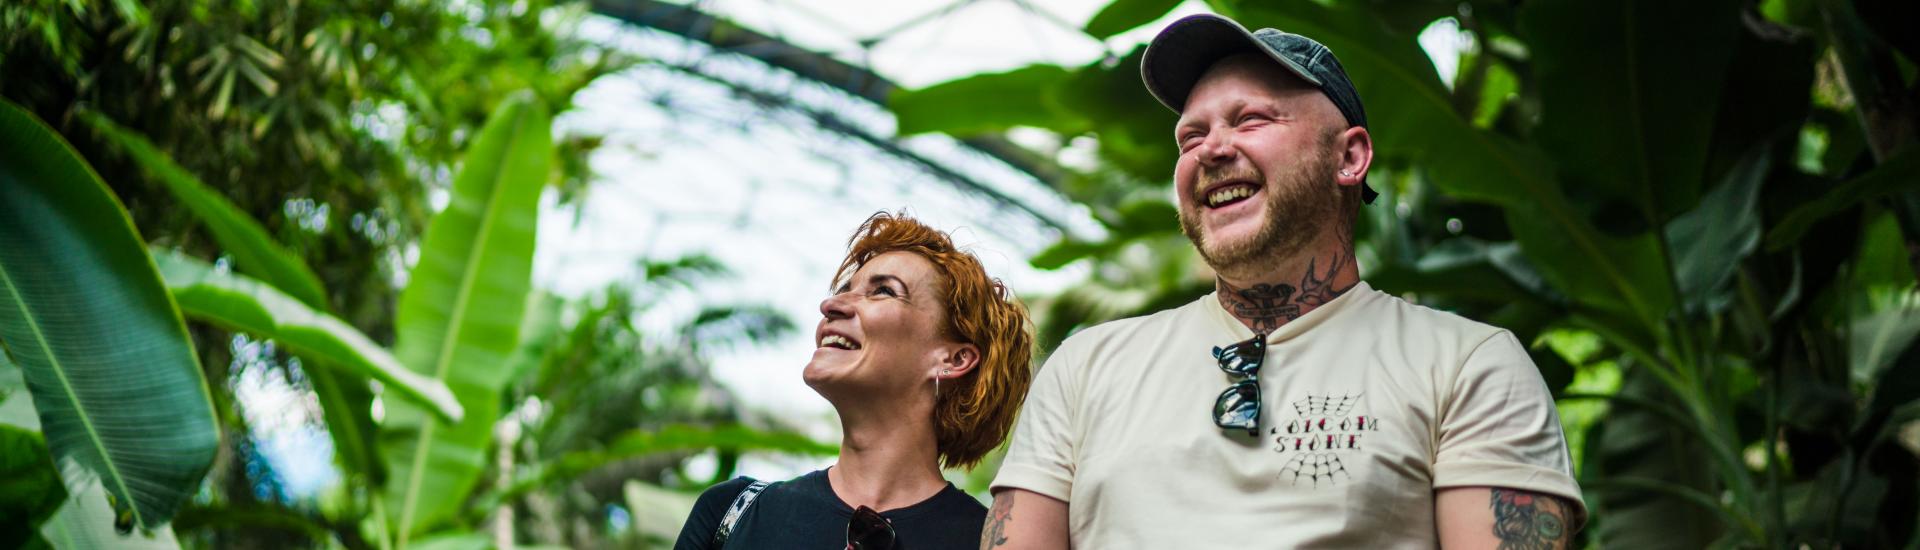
(885, 290)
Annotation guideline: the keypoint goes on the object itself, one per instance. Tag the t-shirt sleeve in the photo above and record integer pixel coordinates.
(697, 532)
(1499, 428)
(1040, 457)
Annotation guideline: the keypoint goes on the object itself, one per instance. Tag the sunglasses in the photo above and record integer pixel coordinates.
(868, 530)
(1239, 406)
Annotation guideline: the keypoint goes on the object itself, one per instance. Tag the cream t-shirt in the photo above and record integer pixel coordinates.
(1369, 405)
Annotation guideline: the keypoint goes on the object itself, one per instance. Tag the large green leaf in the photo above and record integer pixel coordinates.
(1710, 241)
(1629, 90)
(1125, 15)
(1410, 116)
(237, 302)
(983, 103)
(459, 317)
(105, 355)
(345, 401)
(254, 252)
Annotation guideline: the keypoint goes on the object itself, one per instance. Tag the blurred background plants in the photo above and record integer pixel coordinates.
(1702, 216)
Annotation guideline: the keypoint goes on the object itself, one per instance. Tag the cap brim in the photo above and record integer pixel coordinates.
(1182, 53)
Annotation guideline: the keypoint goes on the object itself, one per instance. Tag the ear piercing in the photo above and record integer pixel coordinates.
(1345, 173)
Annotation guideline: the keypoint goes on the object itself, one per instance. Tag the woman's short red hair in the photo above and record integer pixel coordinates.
(973, 413)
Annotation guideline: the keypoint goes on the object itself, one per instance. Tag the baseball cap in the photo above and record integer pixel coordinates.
(1177, 58)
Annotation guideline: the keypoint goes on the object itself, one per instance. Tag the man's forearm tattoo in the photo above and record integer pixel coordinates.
(1265, 306)
(995, 534)
(1525, 520)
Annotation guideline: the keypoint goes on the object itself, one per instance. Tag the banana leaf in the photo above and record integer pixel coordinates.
(459, 317)
(113, 374)
(240, 303)
(345, 401)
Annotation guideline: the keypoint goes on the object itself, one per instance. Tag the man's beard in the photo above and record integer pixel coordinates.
(1300, 204)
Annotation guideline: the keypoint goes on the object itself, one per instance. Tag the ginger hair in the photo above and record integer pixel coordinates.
(974, 413)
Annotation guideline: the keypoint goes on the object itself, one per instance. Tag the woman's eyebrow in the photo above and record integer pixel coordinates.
(878, 278)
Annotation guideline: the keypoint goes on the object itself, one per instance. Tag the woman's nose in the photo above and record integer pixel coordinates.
(835, 307)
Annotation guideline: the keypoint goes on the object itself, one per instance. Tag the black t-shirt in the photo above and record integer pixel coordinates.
(804, 514)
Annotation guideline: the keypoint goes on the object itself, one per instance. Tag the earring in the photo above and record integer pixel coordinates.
(1345, 173)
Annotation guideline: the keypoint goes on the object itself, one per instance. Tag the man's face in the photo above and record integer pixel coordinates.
(1255, 179)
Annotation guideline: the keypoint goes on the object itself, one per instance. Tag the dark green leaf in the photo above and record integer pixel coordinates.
(1899, 174)
(1124, 15)
(1629, 90)
(105, 355)
(1710, 241)
(238, 234)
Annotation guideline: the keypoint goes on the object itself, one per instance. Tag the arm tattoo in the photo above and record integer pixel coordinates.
(995, 534)
(1525, 520)
(1263, 307)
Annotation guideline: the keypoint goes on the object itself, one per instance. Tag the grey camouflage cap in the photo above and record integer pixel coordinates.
(1184, 51)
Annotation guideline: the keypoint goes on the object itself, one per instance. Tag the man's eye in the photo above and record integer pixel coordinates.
(1244, 119)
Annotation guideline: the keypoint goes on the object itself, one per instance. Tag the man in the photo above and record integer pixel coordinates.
(1295, 406)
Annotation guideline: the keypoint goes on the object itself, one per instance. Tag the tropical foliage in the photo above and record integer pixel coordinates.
(1702, 215)
(115, 436)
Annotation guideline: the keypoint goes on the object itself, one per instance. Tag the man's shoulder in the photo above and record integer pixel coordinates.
(1414, 319)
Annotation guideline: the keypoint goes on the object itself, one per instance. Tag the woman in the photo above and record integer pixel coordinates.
(926, 360)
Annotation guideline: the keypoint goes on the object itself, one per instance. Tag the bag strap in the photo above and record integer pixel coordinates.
(735, 510)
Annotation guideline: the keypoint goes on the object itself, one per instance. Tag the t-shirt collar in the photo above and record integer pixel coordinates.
(1290, 329)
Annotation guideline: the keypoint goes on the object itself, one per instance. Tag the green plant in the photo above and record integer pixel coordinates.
(1602, 171)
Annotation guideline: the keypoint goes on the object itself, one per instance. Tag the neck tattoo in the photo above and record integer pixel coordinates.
(1263, 307)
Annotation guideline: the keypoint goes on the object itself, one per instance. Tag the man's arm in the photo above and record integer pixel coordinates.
(1025, 520)
(1495, 517)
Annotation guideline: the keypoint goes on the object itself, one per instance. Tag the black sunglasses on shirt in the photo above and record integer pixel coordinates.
(868, 530)
(1239, 406)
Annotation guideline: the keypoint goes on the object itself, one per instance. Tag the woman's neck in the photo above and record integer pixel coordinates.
(886, 462)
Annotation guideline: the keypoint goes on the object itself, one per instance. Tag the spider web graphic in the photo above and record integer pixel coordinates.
(1315, 467)
(1325, 405)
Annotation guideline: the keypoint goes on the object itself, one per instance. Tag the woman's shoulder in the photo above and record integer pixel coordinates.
(723, 492)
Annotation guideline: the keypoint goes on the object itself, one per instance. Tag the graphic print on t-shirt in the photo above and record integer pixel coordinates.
(1321, 436)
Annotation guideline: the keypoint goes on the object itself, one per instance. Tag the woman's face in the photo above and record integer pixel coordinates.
(880, 333)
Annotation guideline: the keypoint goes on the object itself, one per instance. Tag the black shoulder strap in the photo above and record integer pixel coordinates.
(734, 511)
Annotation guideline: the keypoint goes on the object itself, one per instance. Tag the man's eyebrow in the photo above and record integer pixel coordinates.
(1184, 123)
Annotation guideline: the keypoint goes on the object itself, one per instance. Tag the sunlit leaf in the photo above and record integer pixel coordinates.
(239, 303)
(459, 317)
(983, 103)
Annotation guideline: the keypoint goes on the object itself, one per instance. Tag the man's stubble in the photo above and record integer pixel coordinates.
(1301, 203)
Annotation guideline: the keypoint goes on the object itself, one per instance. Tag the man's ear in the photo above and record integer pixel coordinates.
(1356, 156)
(957, 360)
